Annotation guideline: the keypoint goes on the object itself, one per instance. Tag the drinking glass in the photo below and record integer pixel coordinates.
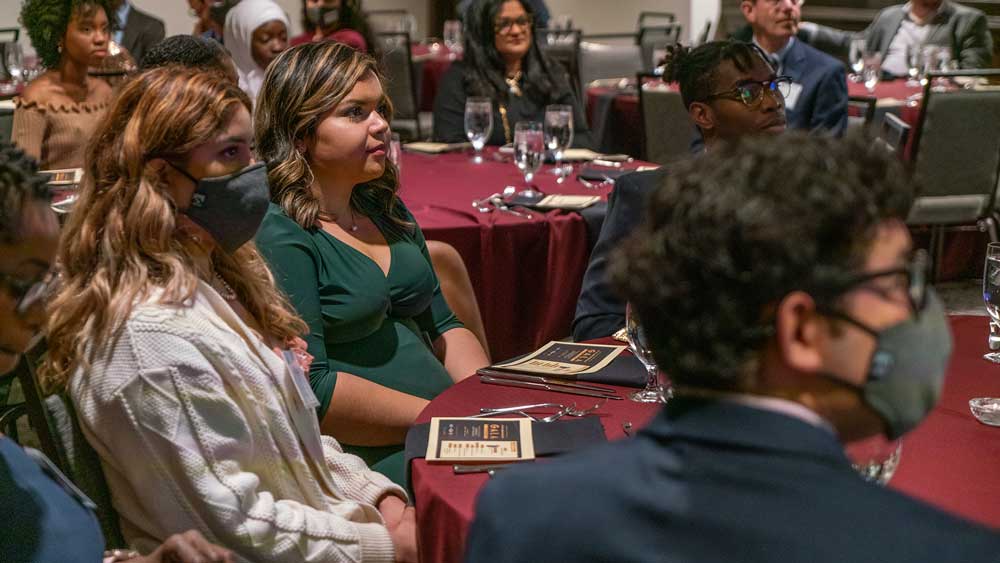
(529, 151)
(13, 60)
(875, 458)
(857, 58)
(914, 64)
(638, 344)
(872, 72)
(991, 290)
(453, 37)
(478, 124)
(558, 135)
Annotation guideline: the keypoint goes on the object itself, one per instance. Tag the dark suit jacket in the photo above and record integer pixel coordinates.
(713, 481)
(961, 28)
(599, 310)
(141, 32)
(822, 102)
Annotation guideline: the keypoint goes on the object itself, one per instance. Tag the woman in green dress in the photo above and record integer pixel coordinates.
(349, 254)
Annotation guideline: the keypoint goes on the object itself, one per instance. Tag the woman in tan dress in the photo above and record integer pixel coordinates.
(57, 113)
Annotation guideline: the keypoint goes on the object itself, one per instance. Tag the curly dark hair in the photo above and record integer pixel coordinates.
(729, 234)
(485, 70)
(47, 20)
(188, 51)
(695, 68)
(19, 183)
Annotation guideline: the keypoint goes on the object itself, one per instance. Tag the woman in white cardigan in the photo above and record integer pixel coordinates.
(256, 32)
(181, 356)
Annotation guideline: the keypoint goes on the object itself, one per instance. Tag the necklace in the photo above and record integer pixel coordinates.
(332, 218)
(512, 83)
(222, 286)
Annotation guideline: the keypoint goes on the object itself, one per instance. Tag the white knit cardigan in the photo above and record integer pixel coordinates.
(198, 425)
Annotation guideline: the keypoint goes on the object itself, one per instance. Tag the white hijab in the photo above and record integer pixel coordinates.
(241, 21)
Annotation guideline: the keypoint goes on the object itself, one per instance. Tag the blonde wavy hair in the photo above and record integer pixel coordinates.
(120, 240)
(300, 87)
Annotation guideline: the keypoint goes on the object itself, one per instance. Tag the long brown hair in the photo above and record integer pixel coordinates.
(120, 240)
(301, 85)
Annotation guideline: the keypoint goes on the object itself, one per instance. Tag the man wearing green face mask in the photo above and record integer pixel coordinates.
(778, 287)
(342, 21)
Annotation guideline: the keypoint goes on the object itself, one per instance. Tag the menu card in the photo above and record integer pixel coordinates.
(565, 359)
(480, 439)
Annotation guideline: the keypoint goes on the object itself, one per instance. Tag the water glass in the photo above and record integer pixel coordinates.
(453, 37)
(914, 64)
(639, 345)
(872, 72)
(991, 290)
(529, 152)
(558, 135)
(857, 58)
(478, 124)
(13, 61)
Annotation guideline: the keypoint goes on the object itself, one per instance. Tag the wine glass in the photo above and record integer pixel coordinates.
(872, 72)
(558, 135)
(857, 58)
(638, 344)
(991, 290)
(453, 37)
(529, 151)
(914, 64)
(13, 60)
(478, 124)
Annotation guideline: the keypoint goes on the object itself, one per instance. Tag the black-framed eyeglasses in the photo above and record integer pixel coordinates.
(752, 92)
(27, 293)
(915, 272)
(504, 25)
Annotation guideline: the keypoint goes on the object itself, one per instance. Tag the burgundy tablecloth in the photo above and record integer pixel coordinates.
(526, 272)
(950, 460)
(430, 68)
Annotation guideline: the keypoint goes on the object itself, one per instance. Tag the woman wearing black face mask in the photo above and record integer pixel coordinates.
(342, 21)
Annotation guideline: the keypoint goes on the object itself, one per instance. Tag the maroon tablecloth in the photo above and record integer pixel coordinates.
(430, 67)
(950, 460)
(526, 272)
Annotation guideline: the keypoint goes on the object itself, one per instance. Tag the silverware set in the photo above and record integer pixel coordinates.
(493, 377)
(564, 410)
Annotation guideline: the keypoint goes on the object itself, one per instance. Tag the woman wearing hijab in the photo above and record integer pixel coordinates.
(256, 32)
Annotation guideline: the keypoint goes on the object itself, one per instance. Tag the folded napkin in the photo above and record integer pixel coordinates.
(587, 154)
(556, 201)
(435, 148)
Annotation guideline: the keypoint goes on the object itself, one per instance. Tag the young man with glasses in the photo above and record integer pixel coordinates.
(778, 287)
(817, 99)
(730, 91)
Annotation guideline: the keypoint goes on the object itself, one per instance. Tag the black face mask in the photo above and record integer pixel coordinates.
(323, 16)
(229, 207)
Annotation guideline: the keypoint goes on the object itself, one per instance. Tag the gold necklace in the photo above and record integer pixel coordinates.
(512, 83)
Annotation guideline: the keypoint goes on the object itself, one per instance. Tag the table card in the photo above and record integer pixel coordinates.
(480, 439)
(565, 359)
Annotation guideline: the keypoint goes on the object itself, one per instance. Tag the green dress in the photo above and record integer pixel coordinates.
(361, 321)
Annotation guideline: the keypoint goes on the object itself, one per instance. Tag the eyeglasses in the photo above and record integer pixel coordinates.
(915, 274)
(27, 293)
(505, 25)
(751, 92)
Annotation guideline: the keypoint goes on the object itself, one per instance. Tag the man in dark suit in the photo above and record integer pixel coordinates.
(777, 285)
(818, 98)
(138, 31)
(709, 76)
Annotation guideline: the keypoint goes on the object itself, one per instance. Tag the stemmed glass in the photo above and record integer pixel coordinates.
(13, 62)
(857, 58)
(452, 33)
(529, 151)
(914, 64)
(872, 72)
(991, 292)
(478, 124)
(558, 135)
(638, 344)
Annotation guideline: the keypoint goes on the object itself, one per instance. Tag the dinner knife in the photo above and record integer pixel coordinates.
(467, 469)
(546, 387)
(540, 379)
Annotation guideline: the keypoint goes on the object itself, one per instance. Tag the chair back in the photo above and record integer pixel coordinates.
(9, 34)
(860, 112)
(653, 41)
(957, 152)
(563, 46)
(666, 125)
(400, 86)
(392, 21)
(613, 55)
(895, 133)
(655, 18)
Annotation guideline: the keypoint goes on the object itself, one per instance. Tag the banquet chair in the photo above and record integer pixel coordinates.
(666, 125)
(401, 85)
(653, 42)
(895, 133)
(610, 55)
(860, 112)
(563, 45)
(956, 154)
(9, 34)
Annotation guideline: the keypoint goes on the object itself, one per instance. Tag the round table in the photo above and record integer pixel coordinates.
(949, 461)
(526, 273)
